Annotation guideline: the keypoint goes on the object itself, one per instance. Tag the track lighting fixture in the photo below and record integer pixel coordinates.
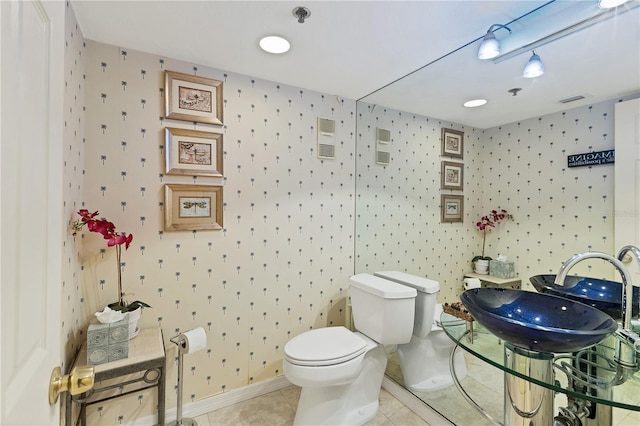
(490, 47)
(608, 4)
(534, 68)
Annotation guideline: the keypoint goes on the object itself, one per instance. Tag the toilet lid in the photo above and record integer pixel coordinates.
(324, 346)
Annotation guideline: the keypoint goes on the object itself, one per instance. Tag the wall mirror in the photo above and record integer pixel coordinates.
(515, 156)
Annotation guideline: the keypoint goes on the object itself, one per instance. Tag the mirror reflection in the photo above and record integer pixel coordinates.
(514, 157)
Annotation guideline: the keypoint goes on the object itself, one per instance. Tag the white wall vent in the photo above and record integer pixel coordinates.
(383, 157)
(326, 138)
(383, 149)
(383, 135)
(571, 99)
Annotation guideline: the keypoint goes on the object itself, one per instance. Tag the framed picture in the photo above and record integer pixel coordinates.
(192, 98)
(451, 208)
(192, 207)
(451, 175)
(452, 143)
(192, 152)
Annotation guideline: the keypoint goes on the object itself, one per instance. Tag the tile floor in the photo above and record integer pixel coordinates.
(483, 383)
(278, 409)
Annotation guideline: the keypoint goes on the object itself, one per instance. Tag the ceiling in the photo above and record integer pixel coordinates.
(352, 48)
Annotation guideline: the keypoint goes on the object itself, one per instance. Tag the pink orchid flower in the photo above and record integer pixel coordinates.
(104, 227)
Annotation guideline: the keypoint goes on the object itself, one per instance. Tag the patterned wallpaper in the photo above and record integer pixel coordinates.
(522, 167)
(281, 264)
(74, 311)
(398, 205)
(558, 211)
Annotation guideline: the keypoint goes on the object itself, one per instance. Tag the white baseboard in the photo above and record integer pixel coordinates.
(203, 406)
(414, 403)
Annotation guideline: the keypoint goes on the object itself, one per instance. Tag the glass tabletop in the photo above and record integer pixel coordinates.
(590, 374)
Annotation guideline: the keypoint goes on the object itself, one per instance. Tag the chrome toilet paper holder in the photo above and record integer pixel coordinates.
(180, 341)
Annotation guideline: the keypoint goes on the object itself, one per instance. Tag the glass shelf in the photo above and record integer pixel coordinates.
(595, 380)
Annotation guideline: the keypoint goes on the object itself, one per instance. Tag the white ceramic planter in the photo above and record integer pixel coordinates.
(481, 267)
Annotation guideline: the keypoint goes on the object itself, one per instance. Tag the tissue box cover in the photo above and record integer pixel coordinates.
(107, 342)
(501, 269)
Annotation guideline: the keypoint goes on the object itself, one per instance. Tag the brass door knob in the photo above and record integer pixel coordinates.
(79, 381)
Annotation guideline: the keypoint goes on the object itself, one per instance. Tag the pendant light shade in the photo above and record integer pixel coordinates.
(534, 68)
(490, 46)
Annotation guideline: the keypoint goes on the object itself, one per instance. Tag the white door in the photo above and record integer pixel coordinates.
(627, 173)
(31, 223)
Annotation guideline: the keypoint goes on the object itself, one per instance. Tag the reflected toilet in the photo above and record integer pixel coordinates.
(424, 360)
(341, 371)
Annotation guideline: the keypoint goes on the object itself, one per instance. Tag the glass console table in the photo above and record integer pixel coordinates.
(589, 377)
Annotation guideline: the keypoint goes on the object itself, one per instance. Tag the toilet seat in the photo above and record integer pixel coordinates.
(324, 346)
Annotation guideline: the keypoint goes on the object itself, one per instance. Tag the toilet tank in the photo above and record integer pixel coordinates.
(382, 310)
(426, 299)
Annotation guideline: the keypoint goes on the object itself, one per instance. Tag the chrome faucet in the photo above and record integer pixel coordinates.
(624, 356)
(626, 249)
(628, 289)
(631, 337)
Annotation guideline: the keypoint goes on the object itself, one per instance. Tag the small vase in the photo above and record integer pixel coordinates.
(481, 267)
(134, 316)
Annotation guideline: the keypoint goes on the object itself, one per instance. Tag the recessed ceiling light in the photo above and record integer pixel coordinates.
(274, 44)
(475, 103)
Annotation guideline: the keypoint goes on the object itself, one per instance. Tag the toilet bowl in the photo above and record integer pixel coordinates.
(424, 360)
(341, 371)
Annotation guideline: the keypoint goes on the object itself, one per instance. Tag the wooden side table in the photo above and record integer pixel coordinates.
(146, 356)
(489, 281)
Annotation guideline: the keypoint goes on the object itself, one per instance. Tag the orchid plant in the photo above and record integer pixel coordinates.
(114, 239)
(486, 223)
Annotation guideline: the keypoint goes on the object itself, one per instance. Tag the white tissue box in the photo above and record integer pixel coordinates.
(107, 342)
(501, 269)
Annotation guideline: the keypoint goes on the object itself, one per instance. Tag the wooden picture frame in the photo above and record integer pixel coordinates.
(193, 207)
(193, 98)
(193, 152)
(451, 208)
(452, 143)
(451, 175)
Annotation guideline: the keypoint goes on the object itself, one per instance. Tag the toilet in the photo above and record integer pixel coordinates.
(341, 371)
(424, 361)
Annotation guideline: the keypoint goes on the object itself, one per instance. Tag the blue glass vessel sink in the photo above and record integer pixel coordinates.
(601, 294)
(537, 321)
